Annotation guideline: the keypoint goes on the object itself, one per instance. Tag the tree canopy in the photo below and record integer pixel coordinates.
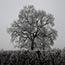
(33, 29)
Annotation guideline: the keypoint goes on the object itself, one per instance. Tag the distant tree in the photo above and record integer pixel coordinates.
(33, 29)
(2, 50)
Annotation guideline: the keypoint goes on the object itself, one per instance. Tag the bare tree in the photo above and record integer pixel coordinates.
(33, 29)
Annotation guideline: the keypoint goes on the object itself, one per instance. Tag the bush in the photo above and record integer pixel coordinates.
(50, 57)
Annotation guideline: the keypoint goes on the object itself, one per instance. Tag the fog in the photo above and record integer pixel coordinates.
(9, 10)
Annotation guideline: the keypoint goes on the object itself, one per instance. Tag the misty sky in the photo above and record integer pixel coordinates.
(9, 10)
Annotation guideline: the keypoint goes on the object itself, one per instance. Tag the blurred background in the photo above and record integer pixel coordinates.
(9, 10)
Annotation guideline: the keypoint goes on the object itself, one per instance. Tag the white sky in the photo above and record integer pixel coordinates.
(9, 10)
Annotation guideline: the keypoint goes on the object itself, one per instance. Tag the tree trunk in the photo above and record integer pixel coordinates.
(32, 45)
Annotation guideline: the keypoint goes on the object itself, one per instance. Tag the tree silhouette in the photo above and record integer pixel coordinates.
(33, 29)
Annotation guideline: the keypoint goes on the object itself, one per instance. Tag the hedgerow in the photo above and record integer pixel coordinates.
(50, 57)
